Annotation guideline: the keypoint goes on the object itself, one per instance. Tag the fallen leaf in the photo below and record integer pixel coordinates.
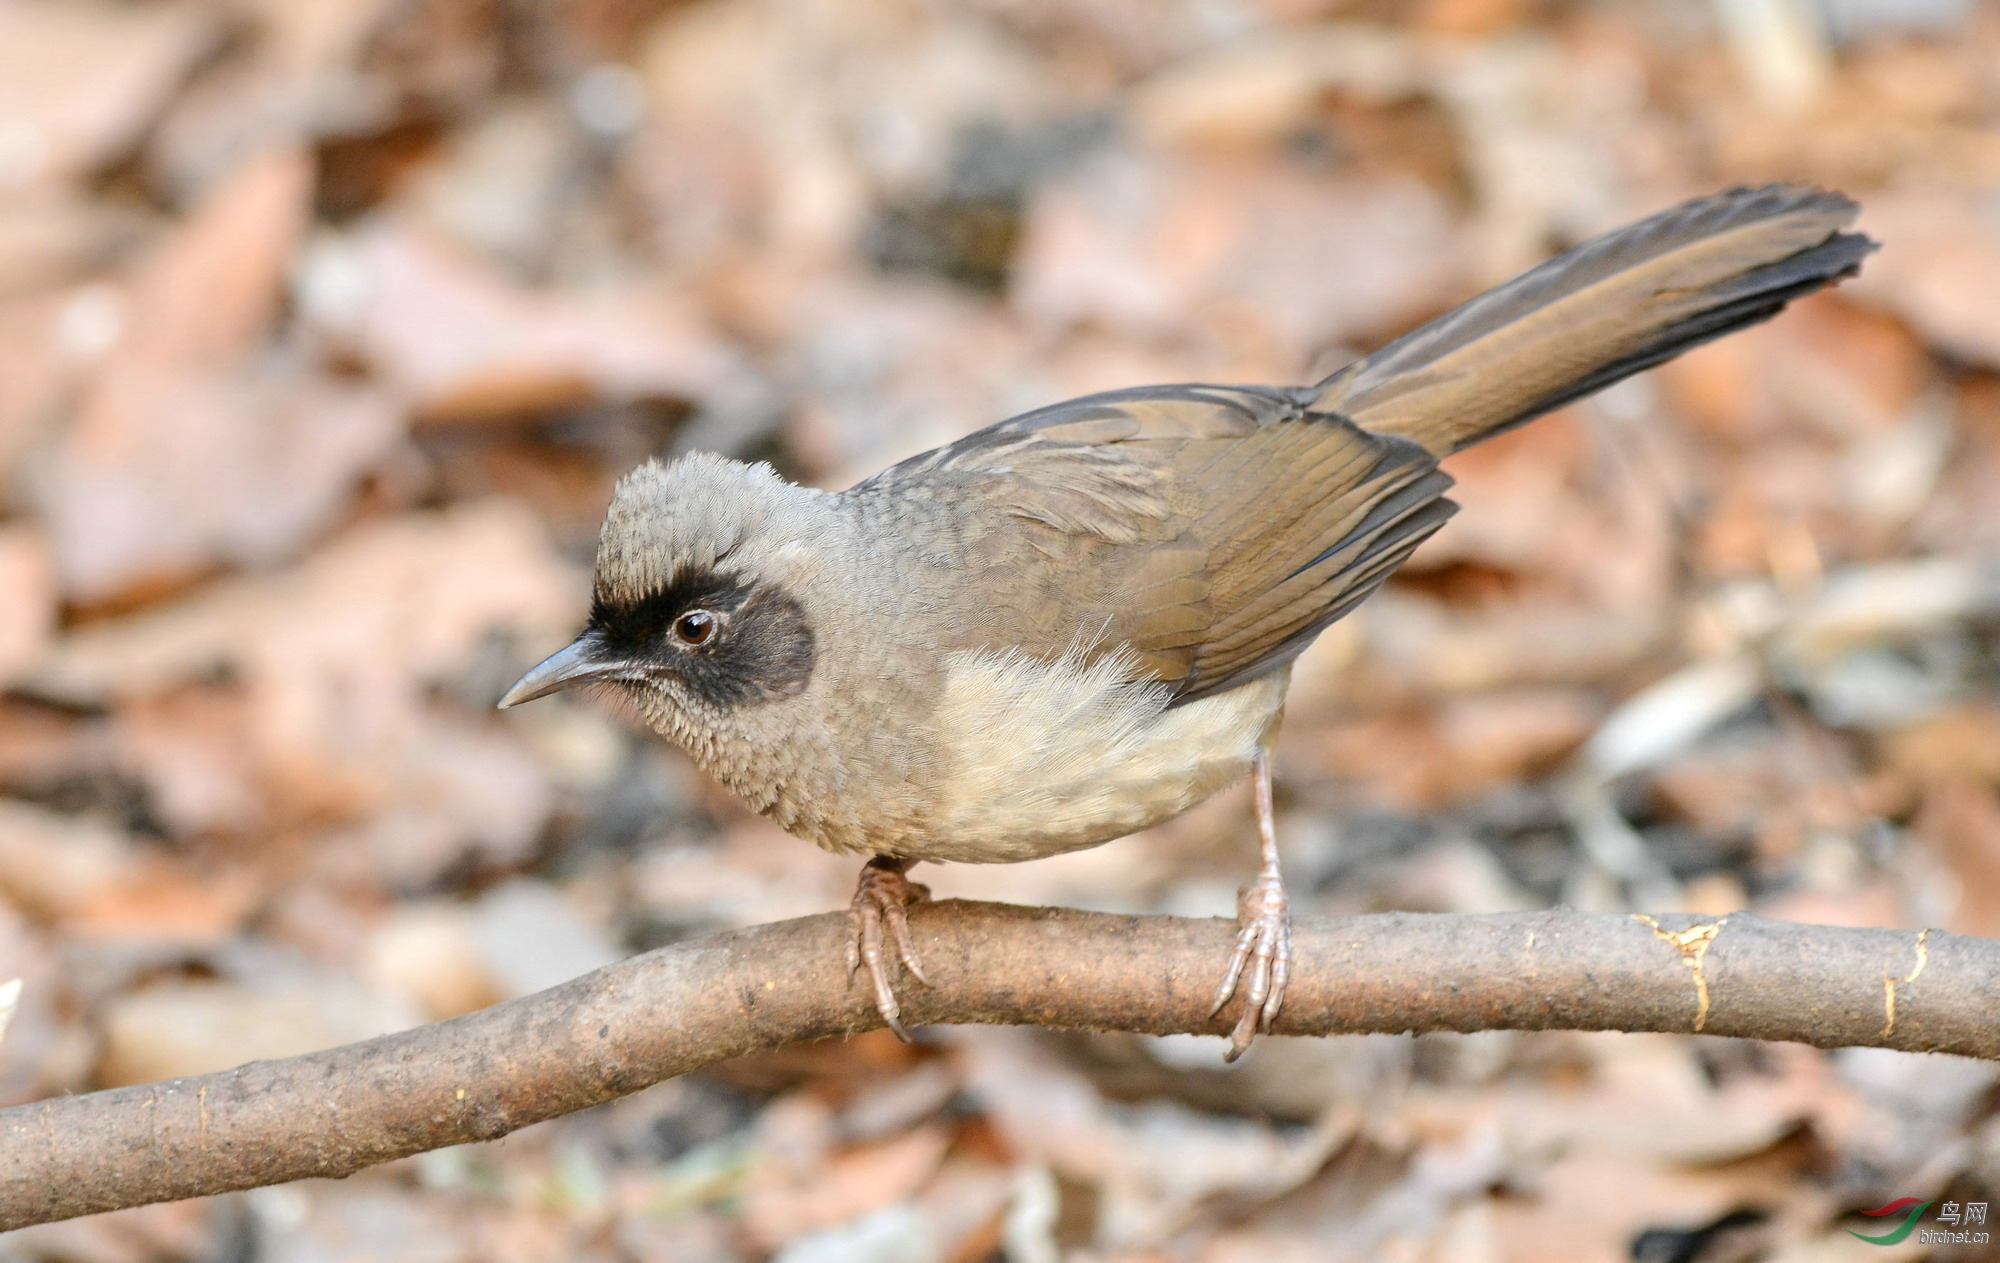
(183, 453)
(1152, 245)
(27, 599)
(864, 1179)
(458, 341)
(431, 953)
(1961, 817)
(1939, 268)
(173, 1029)
(337, 659)
(80, 80)
(159, 902)
(55, 866)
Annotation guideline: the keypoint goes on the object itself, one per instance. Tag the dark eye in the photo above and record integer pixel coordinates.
(696, 627)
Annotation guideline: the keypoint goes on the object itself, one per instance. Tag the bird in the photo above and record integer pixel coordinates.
(1080, 622)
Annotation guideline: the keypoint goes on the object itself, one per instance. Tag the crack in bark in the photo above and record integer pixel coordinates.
(1889, 983)
(1693, 944)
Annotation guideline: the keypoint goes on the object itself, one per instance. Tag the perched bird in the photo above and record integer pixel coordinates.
(1080, 622)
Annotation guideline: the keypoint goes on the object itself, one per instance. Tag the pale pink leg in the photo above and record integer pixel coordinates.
(1264, 944)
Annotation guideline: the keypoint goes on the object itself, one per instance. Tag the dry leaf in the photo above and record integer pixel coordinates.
(458, 341)
(183, 1028)
(27, 599)
(80, 80)
(1939, 269)
(185, 454)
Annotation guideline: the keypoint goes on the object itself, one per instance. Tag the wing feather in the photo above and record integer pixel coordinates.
(1213, 531)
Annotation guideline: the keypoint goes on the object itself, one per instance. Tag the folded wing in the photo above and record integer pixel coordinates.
(1216, 530)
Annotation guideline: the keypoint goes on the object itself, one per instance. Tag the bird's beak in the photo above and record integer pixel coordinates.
(575, 663)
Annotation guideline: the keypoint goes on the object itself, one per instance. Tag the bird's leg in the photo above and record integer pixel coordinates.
(1264, 943)
(879, 899)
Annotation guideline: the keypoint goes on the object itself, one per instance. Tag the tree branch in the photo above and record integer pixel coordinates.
(670, 1011)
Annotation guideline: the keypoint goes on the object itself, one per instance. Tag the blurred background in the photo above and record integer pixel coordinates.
(326, 325)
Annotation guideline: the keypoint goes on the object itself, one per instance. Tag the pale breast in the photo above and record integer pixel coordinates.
(1041, 757)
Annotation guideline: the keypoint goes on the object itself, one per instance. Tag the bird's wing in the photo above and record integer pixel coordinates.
(1218, 529)
(1215, 530)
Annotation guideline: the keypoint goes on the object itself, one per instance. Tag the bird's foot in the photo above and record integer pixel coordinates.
(880, 897)
(1262, 961)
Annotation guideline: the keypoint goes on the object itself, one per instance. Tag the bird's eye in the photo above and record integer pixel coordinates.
(696, 627)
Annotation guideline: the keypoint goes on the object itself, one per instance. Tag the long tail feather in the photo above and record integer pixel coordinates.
(1600, 312)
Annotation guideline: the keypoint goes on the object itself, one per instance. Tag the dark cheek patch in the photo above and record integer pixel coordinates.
(764, 652)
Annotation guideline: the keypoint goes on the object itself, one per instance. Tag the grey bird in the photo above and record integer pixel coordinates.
(1080, 622)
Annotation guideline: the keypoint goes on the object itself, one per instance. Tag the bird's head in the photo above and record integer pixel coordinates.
(693, 613)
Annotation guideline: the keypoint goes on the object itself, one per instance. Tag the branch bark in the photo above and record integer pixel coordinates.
(682, 1007)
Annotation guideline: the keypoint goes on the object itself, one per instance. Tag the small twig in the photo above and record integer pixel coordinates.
(695, 1003)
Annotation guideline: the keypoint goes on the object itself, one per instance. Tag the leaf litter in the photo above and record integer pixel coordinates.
(325, 328)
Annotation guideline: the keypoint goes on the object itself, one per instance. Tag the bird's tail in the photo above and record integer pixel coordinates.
(1607, 309)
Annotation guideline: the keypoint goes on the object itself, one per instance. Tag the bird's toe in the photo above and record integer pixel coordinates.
(1260, 965)
(880, 926)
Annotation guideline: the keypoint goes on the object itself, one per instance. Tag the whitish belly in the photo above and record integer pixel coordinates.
(1045, 757)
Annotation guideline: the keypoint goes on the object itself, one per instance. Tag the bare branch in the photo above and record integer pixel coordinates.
(695, 1003)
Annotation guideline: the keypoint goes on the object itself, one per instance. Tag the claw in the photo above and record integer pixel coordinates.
(1262, 959)
(1261, 963)
(880, 898)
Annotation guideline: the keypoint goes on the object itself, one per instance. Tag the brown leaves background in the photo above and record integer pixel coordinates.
(325, 326)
